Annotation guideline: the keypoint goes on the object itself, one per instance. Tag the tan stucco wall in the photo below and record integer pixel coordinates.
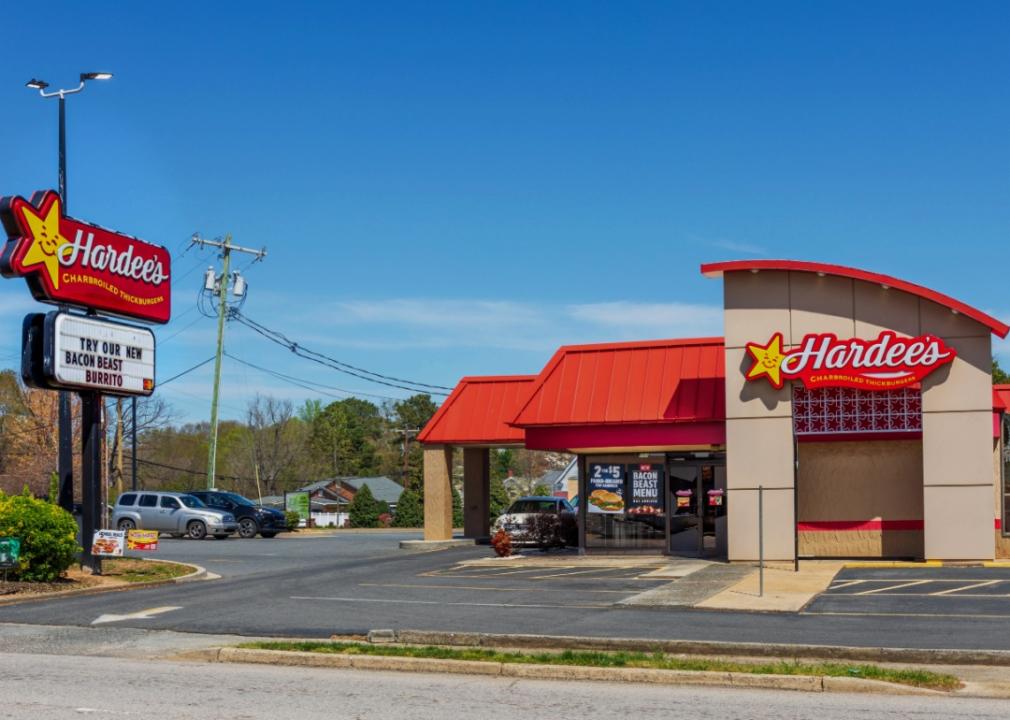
(437, 492)
(956, 448)
(859, 481)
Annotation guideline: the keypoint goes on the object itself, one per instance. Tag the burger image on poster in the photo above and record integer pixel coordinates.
(605, 488)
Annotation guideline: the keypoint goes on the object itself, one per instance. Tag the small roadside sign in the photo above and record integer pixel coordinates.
(10, 553)
(141, 539)
(108, 543)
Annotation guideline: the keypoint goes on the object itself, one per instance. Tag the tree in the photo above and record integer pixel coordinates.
(499, 500)
(275, 440)
(502, 463)
(406, 419)
(457, 508)
(409, 510)
(364, 511)
(344, 436)
(999, 375)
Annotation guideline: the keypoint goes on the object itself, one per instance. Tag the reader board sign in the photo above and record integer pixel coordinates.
(605, 488)
(10, 553)
(88, 353)
(108, 543)
(645, 485)
(298, 502)
(70, 262)
(141, 539)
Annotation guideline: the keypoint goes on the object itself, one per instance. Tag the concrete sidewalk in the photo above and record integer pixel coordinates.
(785, 589)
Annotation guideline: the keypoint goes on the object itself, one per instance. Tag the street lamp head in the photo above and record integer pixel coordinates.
(36, 84)
(96, 76)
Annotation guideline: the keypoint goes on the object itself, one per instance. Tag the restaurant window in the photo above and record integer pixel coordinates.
(625, 502)
(1004, 479)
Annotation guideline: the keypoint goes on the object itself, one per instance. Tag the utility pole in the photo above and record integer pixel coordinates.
(218, 285)
(407, 432)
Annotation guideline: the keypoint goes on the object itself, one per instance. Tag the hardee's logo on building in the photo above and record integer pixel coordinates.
(69, 262)
(822, 360)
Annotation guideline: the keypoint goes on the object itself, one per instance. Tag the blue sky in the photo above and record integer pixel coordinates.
(458, 188)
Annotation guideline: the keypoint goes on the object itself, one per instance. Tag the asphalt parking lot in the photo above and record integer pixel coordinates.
(930, 591)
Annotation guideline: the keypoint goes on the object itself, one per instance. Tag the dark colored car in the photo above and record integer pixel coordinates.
(252, 518)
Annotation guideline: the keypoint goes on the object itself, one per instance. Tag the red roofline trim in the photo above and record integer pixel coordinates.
(594, 347)
(994, 325)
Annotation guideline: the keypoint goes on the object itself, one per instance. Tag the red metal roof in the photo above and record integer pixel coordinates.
(477, 412)
(717, 269)
(1001, 397)
(664, 381)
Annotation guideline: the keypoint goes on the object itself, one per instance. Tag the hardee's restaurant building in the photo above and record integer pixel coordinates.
(859, 407)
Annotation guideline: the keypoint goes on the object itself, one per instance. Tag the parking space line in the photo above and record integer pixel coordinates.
(574, 571)
(390, 601)
(533, 588)
(845, 584)
(967, 587)
(911, 583)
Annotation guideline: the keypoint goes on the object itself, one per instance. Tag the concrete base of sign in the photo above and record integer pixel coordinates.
(424, 545)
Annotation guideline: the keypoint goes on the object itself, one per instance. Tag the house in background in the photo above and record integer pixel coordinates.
(330, 499)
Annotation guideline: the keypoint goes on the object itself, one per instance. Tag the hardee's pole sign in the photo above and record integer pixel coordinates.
(69, 262)
(822, 360)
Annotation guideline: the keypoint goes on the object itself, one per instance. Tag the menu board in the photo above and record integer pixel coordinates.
(646, 489)
(605, 488)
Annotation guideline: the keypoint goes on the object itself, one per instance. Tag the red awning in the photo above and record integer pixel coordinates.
(994, 325)
(650, 393)
(478, 411)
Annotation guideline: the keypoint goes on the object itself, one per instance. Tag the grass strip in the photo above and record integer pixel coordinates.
(141, 571)
(657, 661)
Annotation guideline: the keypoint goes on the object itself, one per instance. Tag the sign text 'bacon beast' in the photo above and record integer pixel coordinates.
(822, 360)
(69, 262)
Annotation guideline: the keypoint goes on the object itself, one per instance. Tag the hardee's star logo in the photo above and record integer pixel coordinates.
(767, 360)
(46, 242)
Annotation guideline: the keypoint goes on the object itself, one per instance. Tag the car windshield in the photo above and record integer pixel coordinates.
(190, 501)
(532, 506)
(239, 500)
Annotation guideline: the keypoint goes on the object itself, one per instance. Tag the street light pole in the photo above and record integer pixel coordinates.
(65, 453)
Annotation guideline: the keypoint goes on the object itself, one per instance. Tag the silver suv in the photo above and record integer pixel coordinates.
(174, 513)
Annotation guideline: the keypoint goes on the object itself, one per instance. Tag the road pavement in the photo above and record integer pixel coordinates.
(352, 583)
(48, 687)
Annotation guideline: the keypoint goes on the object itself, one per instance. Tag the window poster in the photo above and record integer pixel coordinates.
(646, 489)
(605, 488)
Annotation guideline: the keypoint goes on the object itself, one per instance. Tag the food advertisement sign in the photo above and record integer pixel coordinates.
(299, 502)
(108, 543)
(824, 360)
(87, 353)
(645, 489)
(10, 553)
(69, 262)
(605, 488)
(141, 539)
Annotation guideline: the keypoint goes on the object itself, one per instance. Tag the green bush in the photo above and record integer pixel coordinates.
(409, 510)
(48, 535)
(499, 499)
(364, 511)
(292, 519)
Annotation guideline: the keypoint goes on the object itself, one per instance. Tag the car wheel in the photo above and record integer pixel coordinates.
(126, 524)
(196, 530)
(247, 528)
(221, 537)
(269, 535)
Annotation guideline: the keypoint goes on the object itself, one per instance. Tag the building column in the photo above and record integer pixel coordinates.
(438, 492)
(476, 493)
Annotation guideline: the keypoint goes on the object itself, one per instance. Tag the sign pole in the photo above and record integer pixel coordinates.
(65, 431)
(91, 472)
(133, 441)
(761, 540)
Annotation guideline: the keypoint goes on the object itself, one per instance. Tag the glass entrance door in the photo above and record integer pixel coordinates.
(684, 504)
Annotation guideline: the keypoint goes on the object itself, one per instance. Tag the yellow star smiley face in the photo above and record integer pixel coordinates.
(767, 360)
(47, 243)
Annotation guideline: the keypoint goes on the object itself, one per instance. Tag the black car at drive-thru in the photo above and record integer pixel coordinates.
(252, 518)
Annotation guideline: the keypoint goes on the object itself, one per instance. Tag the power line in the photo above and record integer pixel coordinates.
(185, 372)
(162, 341)
(202, 473)
(317, 357)
(300, 382)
